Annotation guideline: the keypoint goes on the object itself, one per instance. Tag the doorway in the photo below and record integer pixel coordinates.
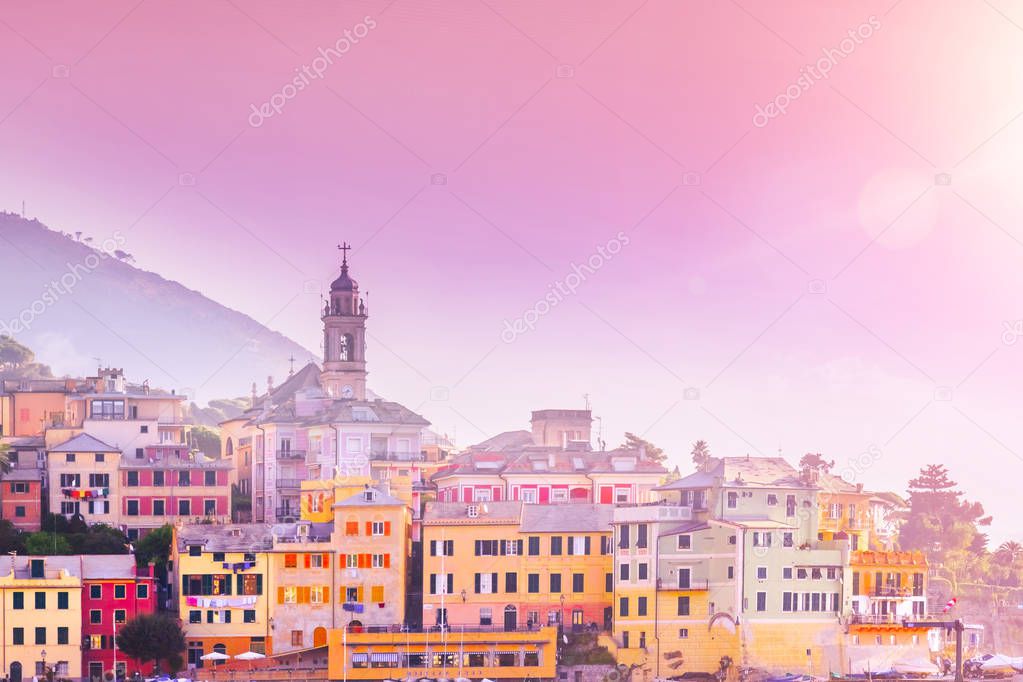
(511, 618)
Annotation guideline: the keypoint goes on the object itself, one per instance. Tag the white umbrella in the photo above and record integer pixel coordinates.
(215, 656)
(249, 656)
(999, 662)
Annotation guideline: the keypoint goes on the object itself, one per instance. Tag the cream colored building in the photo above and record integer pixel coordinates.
(41, 601)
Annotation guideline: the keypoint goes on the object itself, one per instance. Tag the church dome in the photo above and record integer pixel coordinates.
(344, 282)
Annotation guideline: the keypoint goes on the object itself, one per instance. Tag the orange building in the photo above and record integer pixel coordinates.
(509, 564)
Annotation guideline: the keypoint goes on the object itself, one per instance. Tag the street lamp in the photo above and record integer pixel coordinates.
(43, 654)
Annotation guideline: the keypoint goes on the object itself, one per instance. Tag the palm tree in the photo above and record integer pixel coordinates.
(701, 453)
(1009, 552)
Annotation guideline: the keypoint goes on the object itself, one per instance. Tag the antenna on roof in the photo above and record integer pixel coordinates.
(586, 400)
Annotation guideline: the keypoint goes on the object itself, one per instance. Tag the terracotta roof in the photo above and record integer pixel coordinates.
(246, 537)
(377, 499)
(549, 461)
(566, 518)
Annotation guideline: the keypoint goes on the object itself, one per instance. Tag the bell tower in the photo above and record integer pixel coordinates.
(344, 337)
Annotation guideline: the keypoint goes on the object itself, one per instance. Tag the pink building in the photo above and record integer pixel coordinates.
(551, 464)
(168, 485)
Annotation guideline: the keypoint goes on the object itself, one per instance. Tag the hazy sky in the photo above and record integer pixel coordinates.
(835, 277)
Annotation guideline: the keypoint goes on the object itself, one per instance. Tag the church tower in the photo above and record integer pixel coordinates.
(344, 337)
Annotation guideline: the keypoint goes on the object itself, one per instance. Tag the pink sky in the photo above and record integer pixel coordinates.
(810, 278)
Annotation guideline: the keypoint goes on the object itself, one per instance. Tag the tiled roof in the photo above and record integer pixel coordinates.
(83, 442)
(504, 441)
(549, 461)
(246, 537)
(742, 472)
(108, 566)
(566, 518)
(377, 499)
(687, 527)
(504, 511)
(27, 474)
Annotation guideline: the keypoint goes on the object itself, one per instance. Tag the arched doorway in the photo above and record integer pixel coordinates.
(15, 672)
(511, 618)
(320, 637)
(220, 648)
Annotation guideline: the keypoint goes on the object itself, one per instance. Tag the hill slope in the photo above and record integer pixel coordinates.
(74, 302)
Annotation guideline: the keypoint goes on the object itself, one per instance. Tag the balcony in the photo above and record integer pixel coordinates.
(896, 592)
(286, 515)
(289, 483)
(694, 585)
(290, 454)
(380, 455)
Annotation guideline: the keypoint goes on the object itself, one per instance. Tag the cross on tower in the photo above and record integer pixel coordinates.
(344, 248)
(292, 361)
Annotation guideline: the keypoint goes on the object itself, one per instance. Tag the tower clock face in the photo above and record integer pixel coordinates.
(347, 391)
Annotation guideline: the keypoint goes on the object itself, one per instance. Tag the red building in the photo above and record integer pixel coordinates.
(171, 484)
(113, 592)
(21, 498)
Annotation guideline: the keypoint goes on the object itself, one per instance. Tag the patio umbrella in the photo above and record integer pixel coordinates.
(215, 656)
(249, 656)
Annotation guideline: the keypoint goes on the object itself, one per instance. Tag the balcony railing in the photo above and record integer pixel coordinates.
(289, 483)
(896, 592)
(891, 618)
(397, 456)
(286, 514)
(694, 585)
(449, 627)
(291, 454)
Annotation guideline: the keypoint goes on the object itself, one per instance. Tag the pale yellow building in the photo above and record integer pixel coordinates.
(41, 601)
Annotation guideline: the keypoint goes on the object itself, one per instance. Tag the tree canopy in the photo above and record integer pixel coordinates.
(700, 453)
(940, 520)
(634, 442)
(154, 547)
(815, 461)
(151, 637)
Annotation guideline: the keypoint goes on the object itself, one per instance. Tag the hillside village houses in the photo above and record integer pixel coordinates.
(376, 552)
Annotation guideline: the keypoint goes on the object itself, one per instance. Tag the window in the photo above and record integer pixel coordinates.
(378, 528)
(19, 636)
(159, 507)
(95, 616)
(209, 478)
(623, 606)
(40, 635)
(790, 505)
(291, 595)
(641, 533)
(133, 478)
(555, 582)
(683, 633)
(683, 606)
(762, 538)
(534, 545)
(761, 572)
(184, 479)
(623, 572)
(511, 582)
(209, 507)
(786, 573)
(41, 601)
(142, 591)
(99, 480)
(158, 478)
(18, 487)
(121, 616)
(316, 595)
(555, 545)
(184, 507)
(685, 541)
(528, 496)
(70, 480)
(486, 616)
(296, 638)
(18, 600)
(578, 581)
(643, 569)
(623, 537)
(62, 601)
(731, 572)
(19, 511)
(641, 606)
(133, 507)
(121, 591)
(772, 500)
(761, 601)
(140, 453)
(733, 500)
(69, 457)
(533, 583)
(62, 635)
(195, 616)
(249, 616)
(95, 591)
(684, 578)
